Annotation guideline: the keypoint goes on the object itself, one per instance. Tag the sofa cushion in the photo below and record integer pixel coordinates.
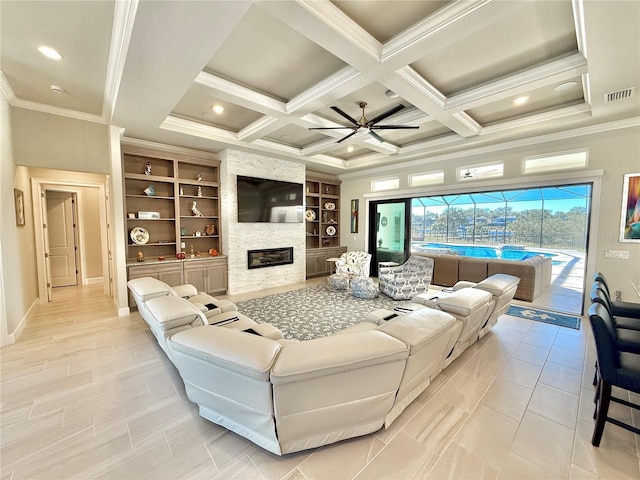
(336, 353)
(498, 283)
(417, 329)
(145, 288)
(239, 352)
(172, 312)
(464, 302)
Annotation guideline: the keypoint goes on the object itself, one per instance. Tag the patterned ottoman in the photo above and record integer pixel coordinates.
(363, 287)
(338, 281)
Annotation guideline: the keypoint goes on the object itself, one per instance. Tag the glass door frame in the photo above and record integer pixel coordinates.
(372, 239)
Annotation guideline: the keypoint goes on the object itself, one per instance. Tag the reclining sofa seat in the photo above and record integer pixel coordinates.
(293, 396)
(167, 310)
(502, 287)
(430, 335)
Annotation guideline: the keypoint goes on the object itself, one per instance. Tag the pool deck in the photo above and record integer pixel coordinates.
(565, 294)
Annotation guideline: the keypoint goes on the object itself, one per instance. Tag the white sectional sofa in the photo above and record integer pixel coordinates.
(287, 396)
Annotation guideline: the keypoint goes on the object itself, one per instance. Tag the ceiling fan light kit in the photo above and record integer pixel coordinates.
(370, 125)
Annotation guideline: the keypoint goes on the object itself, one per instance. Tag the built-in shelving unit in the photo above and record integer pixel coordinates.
(172, 200)
(322, 217)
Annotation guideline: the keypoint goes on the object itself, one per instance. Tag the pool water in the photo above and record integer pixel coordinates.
(477, 251)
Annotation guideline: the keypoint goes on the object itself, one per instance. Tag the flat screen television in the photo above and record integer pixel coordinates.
(264, 200)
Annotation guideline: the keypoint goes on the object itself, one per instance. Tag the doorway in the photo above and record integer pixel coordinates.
(61, 229)
(389, 240)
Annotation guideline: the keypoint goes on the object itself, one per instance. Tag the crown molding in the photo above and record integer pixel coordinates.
(7, 89)
(146, 146)
(633, 122)
(581, 109)
(440, 20)
(321, 88)
(338, 21)
(9, 94)
(241, 95)
(123, 19)
(555, 71)
(421, 84)
(254, 130)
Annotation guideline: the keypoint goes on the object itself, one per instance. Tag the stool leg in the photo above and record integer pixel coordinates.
(603, 409)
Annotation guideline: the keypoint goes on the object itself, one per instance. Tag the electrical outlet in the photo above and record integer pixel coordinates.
(616, 254)
(618, 295)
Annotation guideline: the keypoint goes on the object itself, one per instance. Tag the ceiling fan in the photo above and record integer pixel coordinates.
(370, 125)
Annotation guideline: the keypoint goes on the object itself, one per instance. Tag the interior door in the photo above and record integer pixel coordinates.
(61, 234)
(389, 239)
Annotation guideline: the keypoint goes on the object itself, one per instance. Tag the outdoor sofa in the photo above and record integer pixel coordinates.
(534, 272)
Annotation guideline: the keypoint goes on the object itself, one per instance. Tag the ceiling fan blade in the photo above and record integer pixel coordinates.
(376, 136)
(393, 127)
(345, 115)
(384, 115)
(329, 128)
(350, 135)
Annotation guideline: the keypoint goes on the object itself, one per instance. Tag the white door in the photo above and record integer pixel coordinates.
(61, 233)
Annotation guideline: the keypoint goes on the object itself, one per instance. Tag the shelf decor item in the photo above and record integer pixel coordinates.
(195, 211)
(210, 229)
(148, 215)
(139, 236)
(331, 230)
(150, 191)
(147, 168)
(310, 215)
(330, 206)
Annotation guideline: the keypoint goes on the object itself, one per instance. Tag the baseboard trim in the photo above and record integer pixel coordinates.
(89, 281)
(13, 336)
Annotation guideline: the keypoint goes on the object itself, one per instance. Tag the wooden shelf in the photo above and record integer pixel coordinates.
(320, 191)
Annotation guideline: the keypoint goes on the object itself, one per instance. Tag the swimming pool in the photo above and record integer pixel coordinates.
(504, 252)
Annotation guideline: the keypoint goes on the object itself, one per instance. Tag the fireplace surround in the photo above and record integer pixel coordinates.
(269, 257)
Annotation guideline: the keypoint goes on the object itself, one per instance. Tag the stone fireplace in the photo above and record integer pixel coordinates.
(269, 257)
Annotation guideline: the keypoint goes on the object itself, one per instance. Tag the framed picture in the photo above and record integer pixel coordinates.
(630, 222)
(354, 215)
(18, 196)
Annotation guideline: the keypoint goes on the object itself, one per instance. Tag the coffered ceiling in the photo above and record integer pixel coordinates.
(157, 69)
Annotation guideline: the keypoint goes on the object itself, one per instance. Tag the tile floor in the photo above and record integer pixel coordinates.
(85, 394)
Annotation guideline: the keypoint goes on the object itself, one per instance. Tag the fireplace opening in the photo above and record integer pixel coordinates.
(269, 257)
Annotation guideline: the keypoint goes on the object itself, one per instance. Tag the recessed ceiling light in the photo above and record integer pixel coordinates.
(350, 148)
(57, 89)
(391, 94)
(218, 109)
(563, 87)
(49, 52)
(521, 100)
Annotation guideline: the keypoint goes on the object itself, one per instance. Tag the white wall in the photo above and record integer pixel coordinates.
(616, 152)
(17, 250)
(238, 238)
(52, 141)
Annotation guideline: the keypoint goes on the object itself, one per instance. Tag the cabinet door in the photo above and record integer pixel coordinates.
(217, 278)
(171, 277)
(209, 276)
(195, 273)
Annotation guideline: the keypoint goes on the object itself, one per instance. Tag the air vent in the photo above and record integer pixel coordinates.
(619, 95)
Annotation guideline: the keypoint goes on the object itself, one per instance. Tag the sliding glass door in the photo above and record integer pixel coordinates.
(389, 239)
